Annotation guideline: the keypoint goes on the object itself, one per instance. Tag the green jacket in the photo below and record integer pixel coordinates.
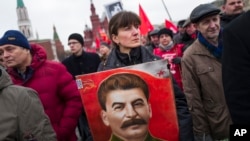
(148, 138)
(22, 113)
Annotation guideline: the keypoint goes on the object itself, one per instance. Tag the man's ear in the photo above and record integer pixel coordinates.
(104, 117)
(223, 8)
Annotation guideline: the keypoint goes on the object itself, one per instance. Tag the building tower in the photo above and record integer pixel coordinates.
(96, 26)
(60, 53)
(23, 22)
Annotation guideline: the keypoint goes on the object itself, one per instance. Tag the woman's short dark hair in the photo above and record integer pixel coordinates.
(122, 19)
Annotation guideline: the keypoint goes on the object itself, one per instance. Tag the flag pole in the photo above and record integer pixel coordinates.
(166, 10)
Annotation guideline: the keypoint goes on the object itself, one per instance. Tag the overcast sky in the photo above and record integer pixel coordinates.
(70, 16)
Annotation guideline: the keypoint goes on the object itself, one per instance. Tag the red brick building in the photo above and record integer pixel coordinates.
(93, 37)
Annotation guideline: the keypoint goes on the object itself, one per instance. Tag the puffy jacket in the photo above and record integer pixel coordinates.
(22, 113)
(57, 90)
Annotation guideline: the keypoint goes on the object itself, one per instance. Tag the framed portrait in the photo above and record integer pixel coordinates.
(163, 123)
(113, 8)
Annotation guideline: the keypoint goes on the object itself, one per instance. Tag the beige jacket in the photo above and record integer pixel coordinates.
(202, 83)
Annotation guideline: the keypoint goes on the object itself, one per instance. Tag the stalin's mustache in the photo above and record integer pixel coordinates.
(133, 122)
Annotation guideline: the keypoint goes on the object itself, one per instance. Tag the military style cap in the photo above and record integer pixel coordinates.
(202, 11)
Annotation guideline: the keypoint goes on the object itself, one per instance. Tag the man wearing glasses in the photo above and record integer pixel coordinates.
(81, 62)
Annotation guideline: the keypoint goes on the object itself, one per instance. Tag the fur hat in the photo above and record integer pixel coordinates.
(165, 31)
(77, 37)
(15, 37)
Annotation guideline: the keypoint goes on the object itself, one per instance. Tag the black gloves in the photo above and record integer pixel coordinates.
(176, 60)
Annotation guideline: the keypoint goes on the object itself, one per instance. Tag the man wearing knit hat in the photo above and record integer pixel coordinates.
(81, 62)
(202, 78)
(169, 50)
(28, 66)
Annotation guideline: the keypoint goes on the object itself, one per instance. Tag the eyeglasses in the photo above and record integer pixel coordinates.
(73, 43)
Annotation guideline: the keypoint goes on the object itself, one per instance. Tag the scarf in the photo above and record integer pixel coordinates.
(167, 47)
(216, 51)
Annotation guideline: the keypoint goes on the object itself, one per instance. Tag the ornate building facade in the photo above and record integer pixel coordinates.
(93, 37)
(53, 47)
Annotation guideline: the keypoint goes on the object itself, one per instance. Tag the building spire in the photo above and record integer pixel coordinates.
(23, 21)
(55, 36)
(92, 7)
(20, 3)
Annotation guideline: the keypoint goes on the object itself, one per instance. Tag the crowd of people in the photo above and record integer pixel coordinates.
(208, 58)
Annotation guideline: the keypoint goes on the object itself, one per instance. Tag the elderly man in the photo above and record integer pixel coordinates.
(202, 78)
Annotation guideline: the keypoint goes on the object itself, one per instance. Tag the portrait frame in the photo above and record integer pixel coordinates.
(162, 125)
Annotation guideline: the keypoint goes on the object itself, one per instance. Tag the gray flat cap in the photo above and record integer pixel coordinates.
(154, 32)
(187, 22)
(202, 11)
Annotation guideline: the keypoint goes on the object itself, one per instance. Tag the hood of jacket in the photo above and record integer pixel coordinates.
(38, 56)
(4, 79)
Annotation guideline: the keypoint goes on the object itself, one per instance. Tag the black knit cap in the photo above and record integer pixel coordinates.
(165, 31)
(77, 37)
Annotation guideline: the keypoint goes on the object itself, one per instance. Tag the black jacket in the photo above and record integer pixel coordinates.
(226, 19)
(139, 55)
(236, 68)
(84, 64)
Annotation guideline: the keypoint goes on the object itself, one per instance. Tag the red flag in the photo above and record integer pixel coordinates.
(97, 42)
(146, 26)
(170, 26)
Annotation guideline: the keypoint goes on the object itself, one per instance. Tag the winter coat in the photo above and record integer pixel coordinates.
(57, 90)
(77, 65)
(22, 113)
(142, 55)
(202, 83)
(236, 68)
(226, 19)
(84, 64)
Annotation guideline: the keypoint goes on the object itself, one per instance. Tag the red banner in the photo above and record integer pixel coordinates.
(171, 26)
(146, 26)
